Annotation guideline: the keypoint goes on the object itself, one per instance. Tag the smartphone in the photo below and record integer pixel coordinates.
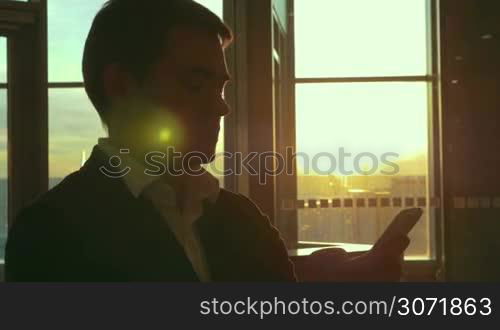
(402, 224)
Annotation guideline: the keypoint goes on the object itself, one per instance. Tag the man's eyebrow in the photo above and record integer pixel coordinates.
(209, 74)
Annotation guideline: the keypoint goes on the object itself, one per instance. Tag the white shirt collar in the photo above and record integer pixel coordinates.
(199, 188)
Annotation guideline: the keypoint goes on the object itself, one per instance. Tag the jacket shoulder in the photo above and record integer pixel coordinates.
(261, 238)
(51, 202)
(242, 210)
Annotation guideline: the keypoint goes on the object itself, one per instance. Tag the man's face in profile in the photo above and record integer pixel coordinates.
(186, 90)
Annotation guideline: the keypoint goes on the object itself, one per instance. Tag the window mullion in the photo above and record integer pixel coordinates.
(429, 78)
(66, 85)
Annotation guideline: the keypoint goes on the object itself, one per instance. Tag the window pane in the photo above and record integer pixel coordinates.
(3, 60)
(382, 128)
(74, 128)
(69, 22)
(216, 6)
(3, 172)
(363, 117)
(356, 38)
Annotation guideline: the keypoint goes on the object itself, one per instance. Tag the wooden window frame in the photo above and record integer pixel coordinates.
(25, 26)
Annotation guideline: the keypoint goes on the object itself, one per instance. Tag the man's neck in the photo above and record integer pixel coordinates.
(178, 169)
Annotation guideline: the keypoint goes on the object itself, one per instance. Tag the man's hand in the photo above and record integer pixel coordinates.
(381, 265)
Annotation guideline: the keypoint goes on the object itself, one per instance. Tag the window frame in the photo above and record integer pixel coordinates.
(236, 126)
(25, 27)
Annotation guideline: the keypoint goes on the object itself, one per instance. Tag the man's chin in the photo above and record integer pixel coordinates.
(209, 157)
(205, 154)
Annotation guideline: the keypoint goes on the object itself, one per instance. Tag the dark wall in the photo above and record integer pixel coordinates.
(470, 63)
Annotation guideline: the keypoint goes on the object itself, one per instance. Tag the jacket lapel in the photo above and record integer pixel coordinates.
(142, 238)
(220, 240)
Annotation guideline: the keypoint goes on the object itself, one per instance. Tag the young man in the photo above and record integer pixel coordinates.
(155, 71)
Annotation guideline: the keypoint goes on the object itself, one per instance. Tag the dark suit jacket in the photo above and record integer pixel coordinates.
(91, 228)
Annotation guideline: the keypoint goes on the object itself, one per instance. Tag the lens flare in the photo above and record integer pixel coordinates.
(165, 135)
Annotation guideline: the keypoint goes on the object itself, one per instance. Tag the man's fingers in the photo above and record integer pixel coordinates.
(332, 252)
(394, 247)
(401, 243)
(324, 264)
(387, 269)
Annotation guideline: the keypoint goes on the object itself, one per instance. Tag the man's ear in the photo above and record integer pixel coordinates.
(117, 82)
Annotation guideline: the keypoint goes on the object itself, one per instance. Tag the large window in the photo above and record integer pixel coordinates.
(74, 125)
(362, 104)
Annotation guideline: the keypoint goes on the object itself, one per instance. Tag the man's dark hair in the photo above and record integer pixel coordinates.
(132, 34)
